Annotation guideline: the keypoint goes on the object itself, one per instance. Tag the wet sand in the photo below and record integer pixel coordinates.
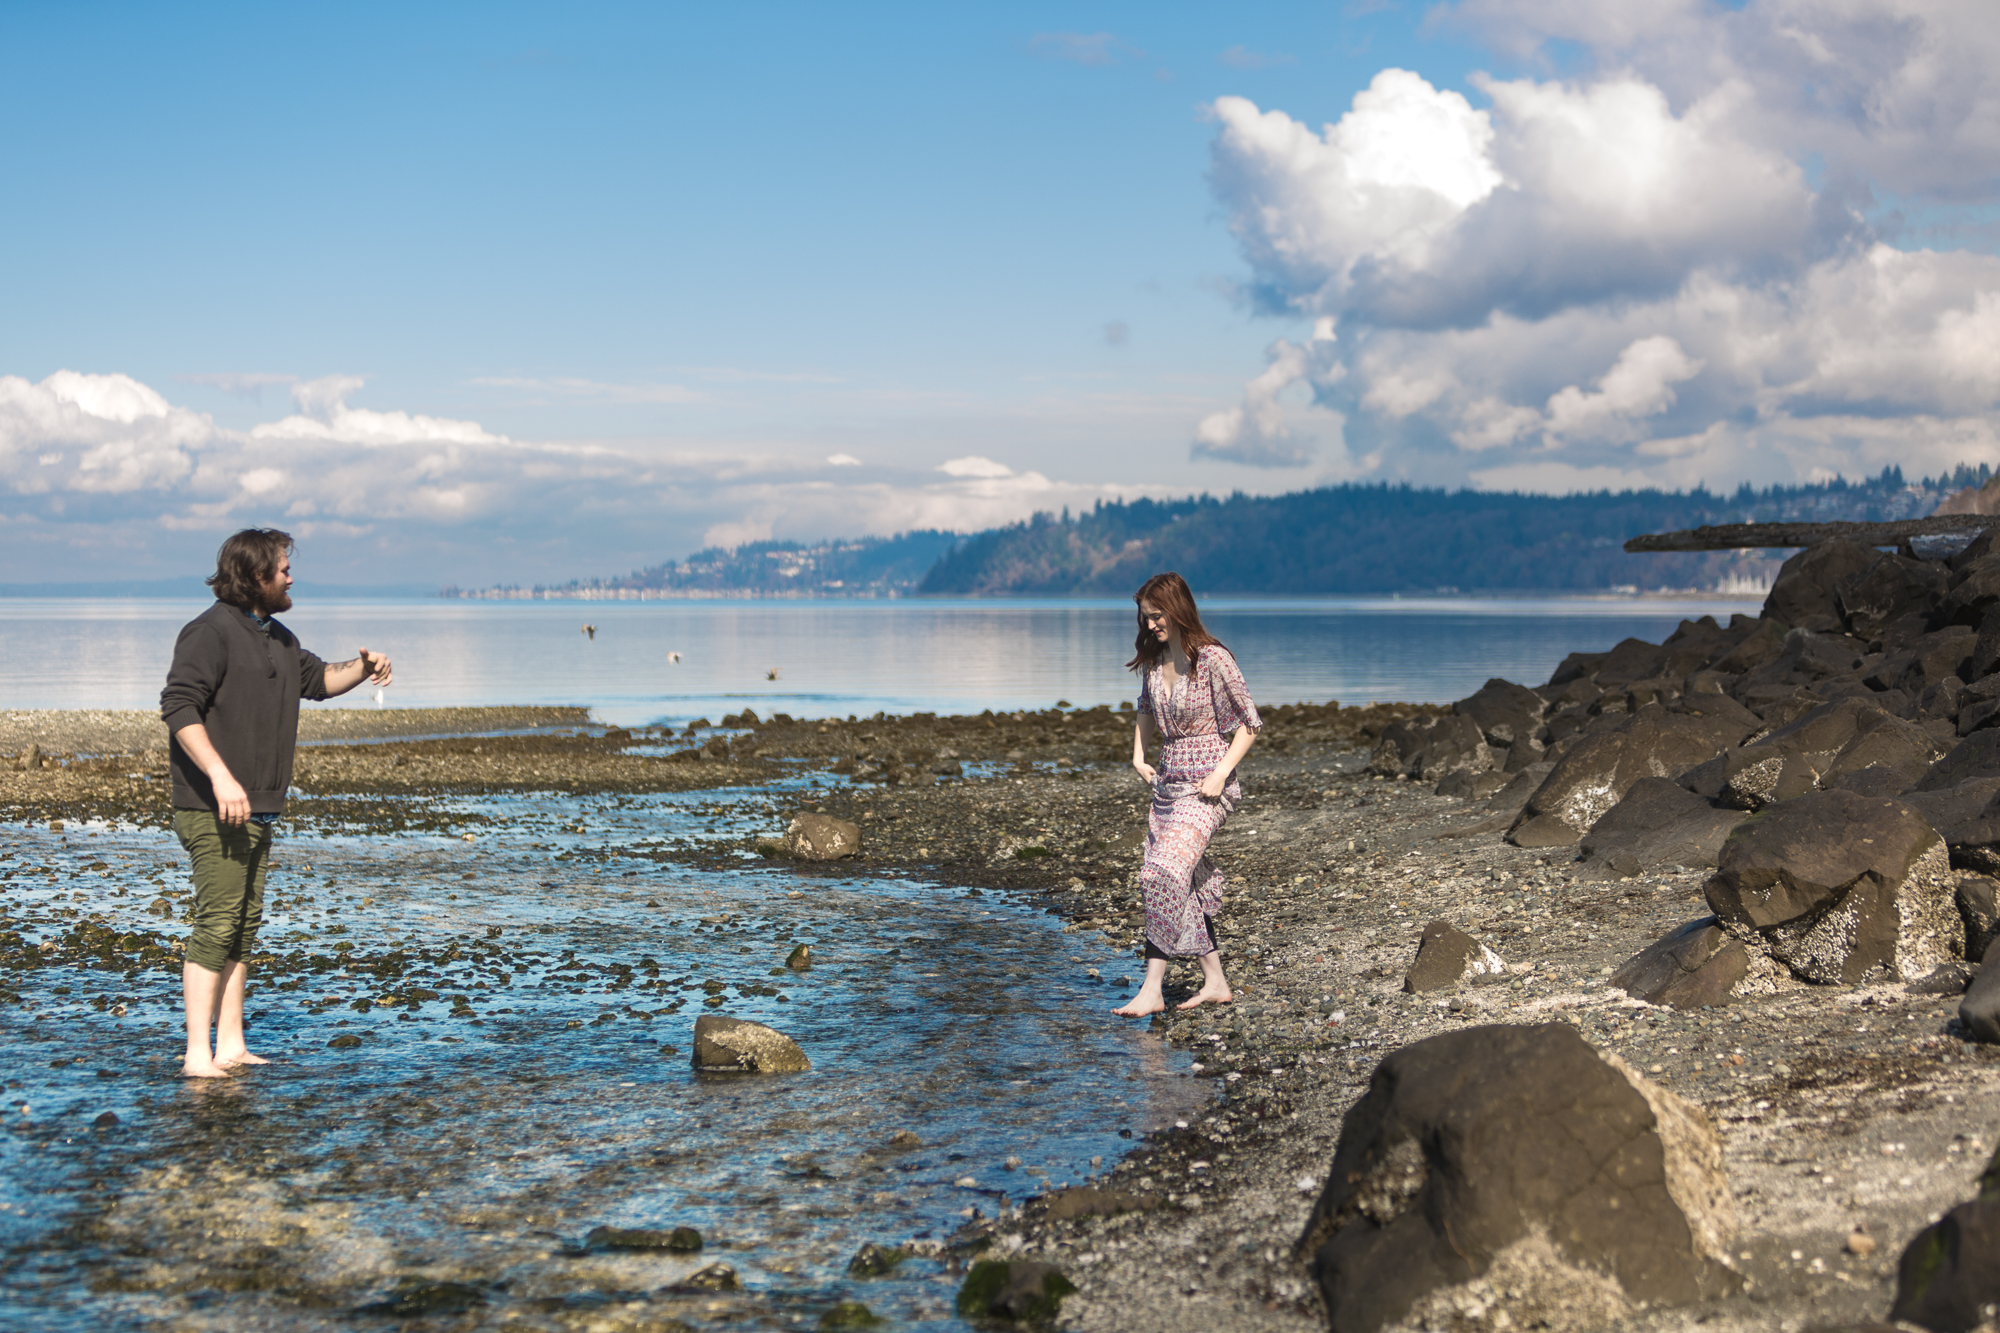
(1837, 1107)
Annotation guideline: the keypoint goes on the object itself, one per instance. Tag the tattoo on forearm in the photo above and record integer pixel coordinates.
(342, 666)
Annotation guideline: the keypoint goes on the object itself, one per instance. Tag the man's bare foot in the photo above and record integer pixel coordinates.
(235, 1058)
(1208, 995)
(203, 1069)
(1145, 1002)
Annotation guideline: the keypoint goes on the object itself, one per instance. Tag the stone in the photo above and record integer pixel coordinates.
(800, 959)
(1534, 832)
(680, 1240)
(1595, 776)
(1830, 742)
(1427, 748)
(1518, 1162)
(733, 1045)
(1890, 588)
(1090, 1201)
(1466, 785)
(345, 1041)
(1978, 898)
(1657, 823)
(1975, 590)
(1503, 711)
(1023, 1290)
(1949, 1276)
(1447, 956)
(851, 1314)
(1979, 1011)
(31, 758)
(873, 1260)
(1834, 886)
(715, 1277)
(1950, 979)
(1690, 967)
(812, 837)
(1977, 756)
(421, 1296)
(1806, 593)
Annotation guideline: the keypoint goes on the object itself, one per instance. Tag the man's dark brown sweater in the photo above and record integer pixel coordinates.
(243, 682)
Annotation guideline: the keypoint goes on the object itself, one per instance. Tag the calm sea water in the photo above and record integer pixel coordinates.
(817, 659)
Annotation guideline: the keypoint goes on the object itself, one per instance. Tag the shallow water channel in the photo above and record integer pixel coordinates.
(514, 1015)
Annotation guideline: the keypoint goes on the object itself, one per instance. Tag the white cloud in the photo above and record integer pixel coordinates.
(729, 536)
(1632, 266)
(972, 465)
(1255, 431)
(325, 416)
(842, 460)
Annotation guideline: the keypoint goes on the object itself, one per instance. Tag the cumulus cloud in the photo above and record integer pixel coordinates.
(972, 465)
(1255, 431)
(324, 415)
(1632, 268)
(842, 460)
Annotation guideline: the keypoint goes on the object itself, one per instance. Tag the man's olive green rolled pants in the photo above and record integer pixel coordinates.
(228, 862)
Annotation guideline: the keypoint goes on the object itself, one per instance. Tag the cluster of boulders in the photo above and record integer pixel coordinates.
(1835, 760)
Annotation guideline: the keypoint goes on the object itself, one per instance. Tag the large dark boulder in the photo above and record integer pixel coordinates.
(1691, 967)
(1596, 774)
(1975, 590)
(1658, 823)
(1893, 587)
(1979, 1011)
(1518, 1158)
(1953, 809)
(1835, 886)
(1503, 711)
(1977, 756)
(1808, 657)
(1949, 1276)
(1428, 748)
(1806, 593)
(1753, 650)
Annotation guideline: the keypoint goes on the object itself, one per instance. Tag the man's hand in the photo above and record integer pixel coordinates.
(376, 666)
(344, 676)
(232, 803)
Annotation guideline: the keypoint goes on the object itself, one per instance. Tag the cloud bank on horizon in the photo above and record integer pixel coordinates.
(107, 458)
(1695, 262)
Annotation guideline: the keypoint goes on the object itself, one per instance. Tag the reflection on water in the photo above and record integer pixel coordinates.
(837, 658)
(477, 1138)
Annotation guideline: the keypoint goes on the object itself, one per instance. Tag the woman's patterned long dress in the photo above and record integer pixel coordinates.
(1182, 887)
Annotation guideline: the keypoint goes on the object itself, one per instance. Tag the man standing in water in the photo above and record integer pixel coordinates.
(232, 710)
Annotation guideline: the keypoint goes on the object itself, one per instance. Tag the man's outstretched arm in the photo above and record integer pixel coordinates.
(344, 676)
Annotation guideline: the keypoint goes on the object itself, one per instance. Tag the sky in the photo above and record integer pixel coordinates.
(515, 294)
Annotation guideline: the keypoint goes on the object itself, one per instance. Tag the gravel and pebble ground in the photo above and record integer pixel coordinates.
(1840, 1109)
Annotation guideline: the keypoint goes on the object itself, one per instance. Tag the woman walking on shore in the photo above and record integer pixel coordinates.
(1192, 693)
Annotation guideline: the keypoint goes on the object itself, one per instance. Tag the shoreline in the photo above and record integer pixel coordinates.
(1835, 1105)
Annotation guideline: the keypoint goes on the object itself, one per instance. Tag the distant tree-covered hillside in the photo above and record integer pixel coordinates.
(859, 567)
(1390, 539)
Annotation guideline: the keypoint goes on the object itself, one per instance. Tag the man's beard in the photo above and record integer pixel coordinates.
(278, 601)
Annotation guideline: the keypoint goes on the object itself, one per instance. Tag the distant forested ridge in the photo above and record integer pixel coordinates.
(858, 567)
(1358, 539)
(1351, 539)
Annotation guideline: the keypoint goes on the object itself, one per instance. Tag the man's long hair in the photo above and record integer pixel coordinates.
(246, 563)
(1169, 592)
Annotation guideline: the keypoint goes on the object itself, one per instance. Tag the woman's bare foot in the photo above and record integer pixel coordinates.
(203, 1069)
(235, 1058)
(1147, 1001)
(1209, 994)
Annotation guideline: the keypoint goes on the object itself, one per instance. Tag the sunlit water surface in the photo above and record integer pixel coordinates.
(836, 658)
(485, 1144)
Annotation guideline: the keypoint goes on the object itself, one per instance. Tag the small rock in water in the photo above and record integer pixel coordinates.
(734, 1045)
(345, 1041)
(1018, 1289)
(811, 837)
(420, 1296)
(106, 1120)
(906, 1139)
(715, 1277)
(873, 1260)
(681, 1240)
(851, 1314)
(800, 959)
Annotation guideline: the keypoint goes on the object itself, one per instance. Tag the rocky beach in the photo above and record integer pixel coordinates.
(1747, 866)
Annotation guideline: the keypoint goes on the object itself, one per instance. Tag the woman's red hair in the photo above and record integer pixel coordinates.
(1170, 593)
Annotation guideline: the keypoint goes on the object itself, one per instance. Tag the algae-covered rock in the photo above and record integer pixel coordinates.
(1020, 1289)
(734, 1045)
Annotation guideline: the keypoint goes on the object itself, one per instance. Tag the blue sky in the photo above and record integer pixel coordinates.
(485, 293)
